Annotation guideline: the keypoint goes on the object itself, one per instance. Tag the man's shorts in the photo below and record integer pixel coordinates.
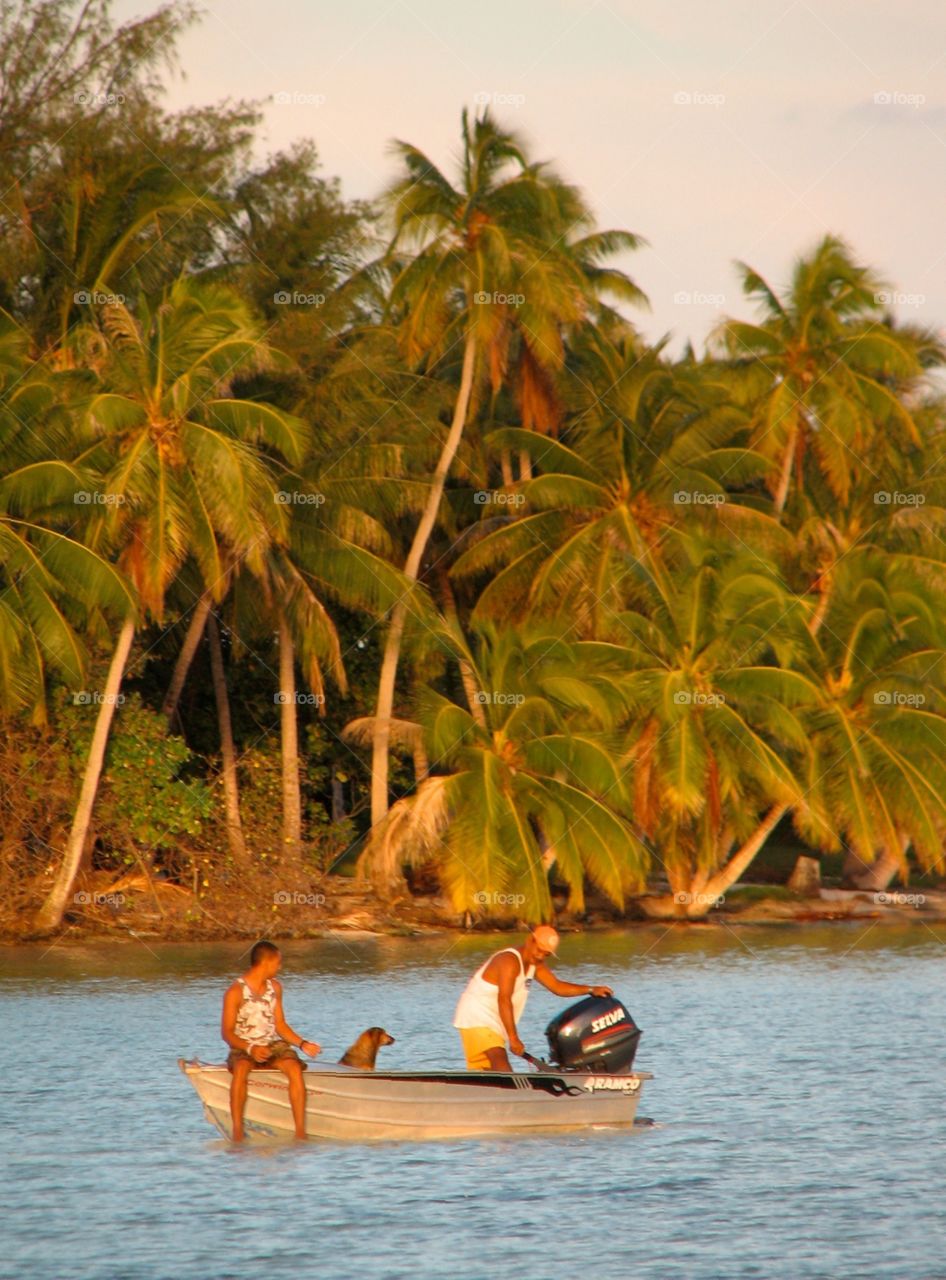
(476, 1040)
(281, 1049)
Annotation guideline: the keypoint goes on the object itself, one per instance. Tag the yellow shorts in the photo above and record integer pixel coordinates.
(476, 1040)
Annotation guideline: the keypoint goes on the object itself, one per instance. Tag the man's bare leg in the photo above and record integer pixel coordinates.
(241, 1070)
(498, 1060)
(292, 1068)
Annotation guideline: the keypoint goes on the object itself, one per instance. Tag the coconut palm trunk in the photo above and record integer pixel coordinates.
(785, 475)
(730, 872)
(692, 895)
(291, 798)
(231, 791)
(474, 695)
(51, 912)
(392, 647)
(185, 657)
(874, 877)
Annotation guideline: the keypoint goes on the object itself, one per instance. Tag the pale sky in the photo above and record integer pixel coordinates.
(723, 130)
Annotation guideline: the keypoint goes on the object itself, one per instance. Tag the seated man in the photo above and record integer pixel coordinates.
(496, 995)
(259, 1036)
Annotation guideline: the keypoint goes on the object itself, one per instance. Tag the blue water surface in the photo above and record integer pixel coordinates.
(799, 1095)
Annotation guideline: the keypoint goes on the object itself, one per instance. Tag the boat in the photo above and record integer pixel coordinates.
(591, 1086)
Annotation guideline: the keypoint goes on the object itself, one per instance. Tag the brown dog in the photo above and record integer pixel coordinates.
(365, 1049)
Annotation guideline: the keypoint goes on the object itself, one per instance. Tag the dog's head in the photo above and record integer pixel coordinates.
(379, 1036)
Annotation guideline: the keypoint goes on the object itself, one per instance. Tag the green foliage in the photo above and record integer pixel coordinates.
(524, 776)
(687, 587)
(151, 793)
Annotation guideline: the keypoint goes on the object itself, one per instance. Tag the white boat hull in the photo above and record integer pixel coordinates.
(363, 1105)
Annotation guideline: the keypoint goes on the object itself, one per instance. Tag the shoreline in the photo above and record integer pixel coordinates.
(421, 918)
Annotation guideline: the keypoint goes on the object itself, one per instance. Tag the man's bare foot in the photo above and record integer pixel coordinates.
(238, 1136)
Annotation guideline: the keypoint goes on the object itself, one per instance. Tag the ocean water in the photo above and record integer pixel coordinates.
(798, 1098)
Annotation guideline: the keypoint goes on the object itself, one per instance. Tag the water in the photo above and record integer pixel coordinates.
(798, 1090)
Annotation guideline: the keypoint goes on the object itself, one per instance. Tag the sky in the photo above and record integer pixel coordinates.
(718, 131)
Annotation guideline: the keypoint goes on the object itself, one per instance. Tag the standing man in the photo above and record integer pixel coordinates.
(496, 995)
(259, 1036)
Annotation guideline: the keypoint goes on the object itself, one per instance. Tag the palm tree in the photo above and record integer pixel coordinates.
(876, 778)
(715, 734)
(182, 467)
(531, 784)
(49, 581)
(896, 511)
(338, 552)
(605, 509)
(823, 370)
(493, 260)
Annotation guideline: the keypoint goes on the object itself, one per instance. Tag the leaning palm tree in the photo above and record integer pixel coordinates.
(824, 370)
(502, 254)
(184, 471)
(715, 735)
(531, 783)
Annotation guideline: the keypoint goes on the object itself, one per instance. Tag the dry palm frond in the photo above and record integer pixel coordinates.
(404, 733)
(136, 882)
(410, 833)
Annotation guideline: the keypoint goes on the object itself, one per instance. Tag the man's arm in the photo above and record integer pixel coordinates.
(507, 970)
(558, 987)
(286, 1032)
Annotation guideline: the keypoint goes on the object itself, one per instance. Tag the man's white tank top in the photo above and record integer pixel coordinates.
(479, 1004)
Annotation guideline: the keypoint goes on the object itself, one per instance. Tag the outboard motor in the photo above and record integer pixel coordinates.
(596, 1034)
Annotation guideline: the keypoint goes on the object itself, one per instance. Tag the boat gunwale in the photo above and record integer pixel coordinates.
(193, 1066)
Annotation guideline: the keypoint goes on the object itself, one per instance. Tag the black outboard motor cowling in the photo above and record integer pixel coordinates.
(596, 1034)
